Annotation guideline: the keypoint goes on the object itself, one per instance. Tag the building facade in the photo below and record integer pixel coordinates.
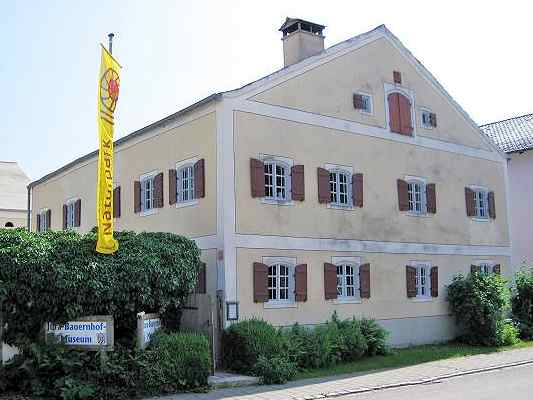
(13, 195)
(514, 136)
(349, 181)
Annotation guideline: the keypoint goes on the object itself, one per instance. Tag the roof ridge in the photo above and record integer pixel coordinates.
(507, 119)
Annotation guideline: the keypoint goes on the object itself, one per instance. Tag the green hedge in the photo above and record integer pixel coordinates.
(255, 346)
(522, 302)
(58, 276)
(480, 303)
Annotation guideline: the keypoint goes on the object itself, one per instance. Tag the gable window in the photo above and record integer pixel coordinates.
(185, 184)
(481, 203)
(363, 102)
(147, 193)
(422, 280)
(339, 186)
(416, 192)
(276, 180)
(280, 282)
(347, 280)
(428, 119)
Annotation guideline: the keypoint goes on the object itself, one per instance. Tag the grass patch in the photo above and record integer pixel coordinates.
(406, 357)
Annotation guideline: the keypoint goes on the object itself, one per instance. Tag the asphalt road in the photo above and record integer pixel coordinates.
(514, 383)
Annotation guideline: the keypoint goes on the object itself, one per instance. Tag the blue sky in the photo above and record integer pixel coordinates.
(177, 52)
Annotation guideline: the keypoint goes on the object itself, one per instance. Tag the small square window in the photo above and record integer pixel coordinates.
(347, 281)
(363, 102)
(428, 119)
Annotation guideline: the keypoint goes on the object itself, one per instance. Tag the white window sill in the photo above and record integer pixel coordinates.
(412, 214)
(422, 299)
(146, 213)
(277, 202)
(479, 219)
(369, 113)
(280, 304)
(347, 300)
(187, 203)
(340, 207)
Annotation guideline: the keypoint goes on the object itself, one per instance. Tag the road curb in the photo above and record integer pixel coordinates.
(410, 383)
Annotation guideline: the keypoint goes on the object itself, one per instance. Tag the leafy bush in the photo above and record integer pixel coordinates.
(244, 342)
(507, 334)
(177, 361)
(275, 370)
(376, 338)
(479, 303)
(522, 302)
(58, 276)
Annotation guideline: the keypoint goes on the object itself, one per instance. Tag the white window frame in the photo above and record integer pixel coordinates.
(142, 180)
(71, 213)
(287, 163)
(484, 265)
(410, 94)
(43, 220)
(354, 262)
(427, 278)
(370, 103)
(180, 165)
(423, 111)
(290, 262)
(423, 200)
(484, 192)
(347, 170)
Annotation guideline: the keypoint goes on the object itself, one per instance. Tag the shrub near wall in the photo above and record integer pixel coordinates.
(58, 276)
(522, 302)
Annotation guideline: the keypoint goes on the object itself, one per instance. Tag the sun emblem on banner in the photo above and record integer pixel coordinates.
(109, 88)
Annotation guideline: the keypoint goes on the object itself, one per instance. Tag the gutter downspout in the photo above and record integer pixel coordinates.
(28, 224)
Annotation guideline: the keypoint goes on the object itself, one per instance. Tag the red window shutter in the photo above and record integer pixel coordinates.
(394, 112)
(77, 213)
(260, 282)
(298, 182)
(403, 195)
(406, 127)
(201, 283)
(397, 76)
(492, 206)
(358, 101)
(470, 202)
(434, 279)
(433, 120)
(410, 279)
(330, 281)
(357, 190)
(364, 281)
(199, 179)
(48, 219)
(64, 216)
(497, 269)
(38, 223)
(116, 202)
(172, 188)
(300, 286)
(475, 269)
(324, 195)
(257, 177)
(158, 190)
(137, 196)
(431, 198)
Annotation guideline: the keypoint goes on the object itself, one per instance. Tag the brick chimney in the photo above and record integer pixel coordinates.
(301, 39)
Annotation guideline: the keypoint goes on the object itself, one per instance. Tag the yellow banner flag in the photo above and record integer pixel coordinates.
(108, 88)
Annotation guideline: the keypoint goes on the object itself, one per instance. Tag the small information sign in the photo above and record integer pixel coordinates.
(147, 325)
(87, 333)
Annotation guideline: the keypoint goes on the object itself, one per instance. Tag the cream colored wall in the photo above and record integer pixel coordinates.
(160, 152)
(382, 162)
(328, 89)
(387, 285)
(18, 218)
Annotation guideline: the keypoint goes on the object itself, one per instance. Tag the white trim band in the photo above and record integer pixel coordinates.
(366, 246)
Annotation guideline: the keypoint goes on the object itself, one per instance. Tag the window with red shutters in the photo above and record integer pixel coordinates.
(400, 120)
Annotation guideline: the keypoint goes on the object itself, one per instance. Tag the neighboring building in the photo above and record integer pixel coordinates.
(348, 181)
(514, 136)
(13, 195)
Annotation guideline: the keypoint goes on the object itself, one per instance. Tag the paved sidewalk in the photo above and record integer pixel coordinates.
(345, 384)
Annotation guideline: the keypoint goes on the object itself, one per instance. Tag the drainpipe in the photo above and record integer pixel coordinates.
(29, 209)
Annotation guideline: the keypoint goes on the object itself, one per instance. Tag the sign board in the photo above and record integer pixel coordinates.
(147, 325)
(88, 333)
